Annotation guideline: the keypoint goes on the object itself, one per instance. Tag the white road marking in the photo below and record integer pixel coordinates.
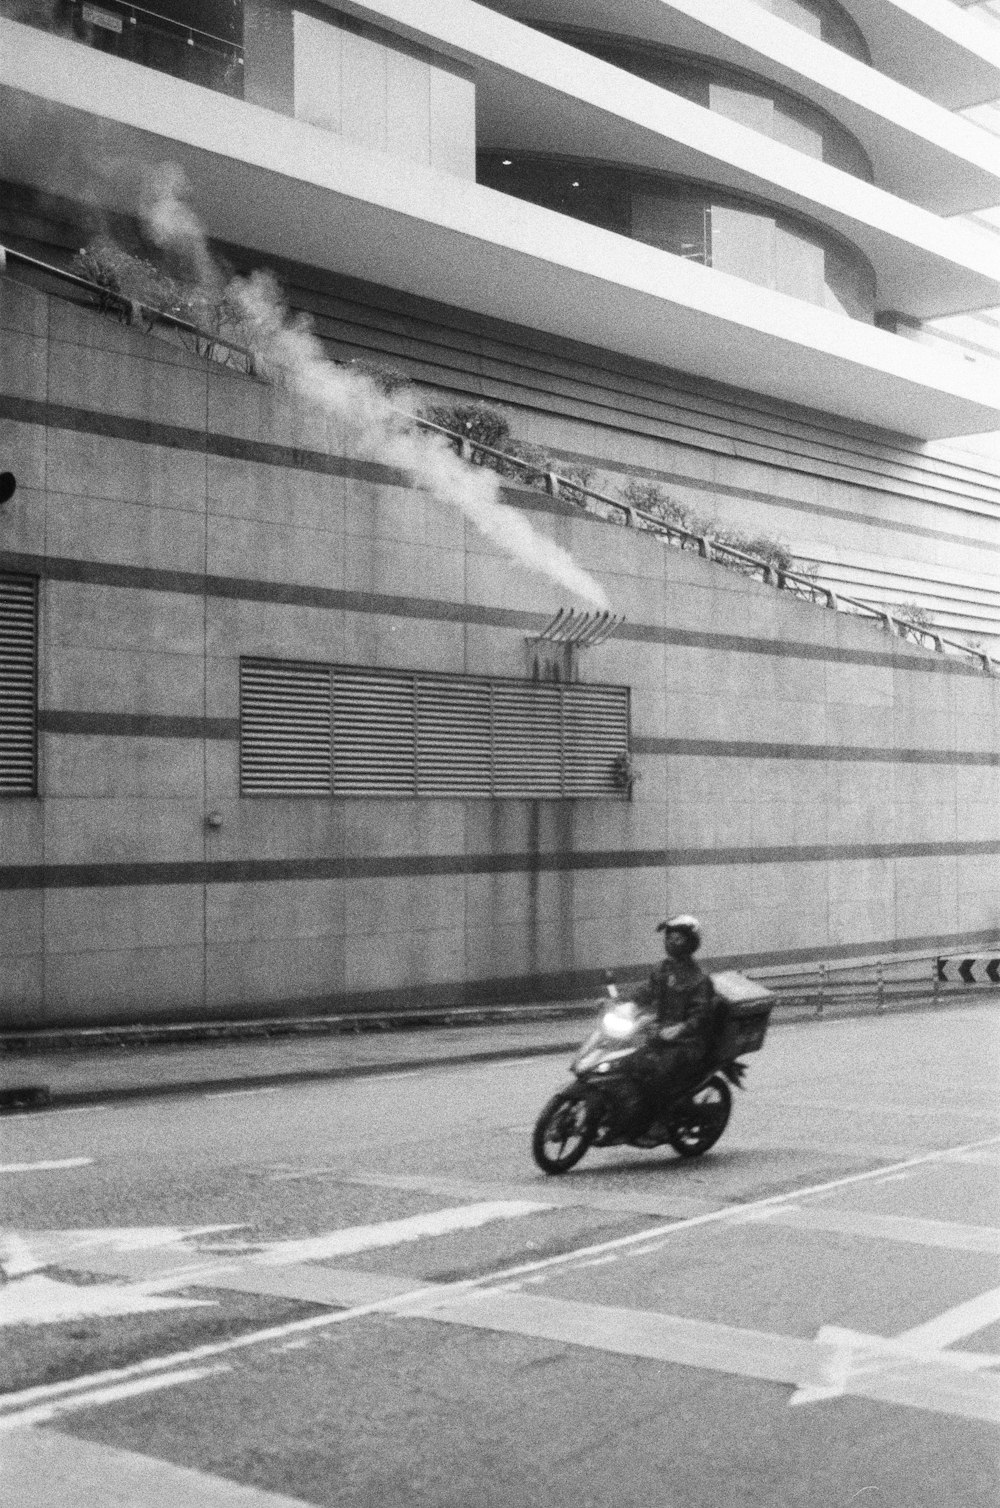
(15, 1408)
(563, 1194)
(49, 1247)
(945, 1234)
(356, 1238)
(943, 1382)
(46, 1167)
(455, 1292)
(40, 1300)
(28, 1296)
(881, 1107)
(868, 1366)
(987, 1157)
(16, 1257)
(629, 1332)
(910, 1363)
(642, 1239)
(45, 1412)
(46, 1469)
(338, 1287)
(955, 1324)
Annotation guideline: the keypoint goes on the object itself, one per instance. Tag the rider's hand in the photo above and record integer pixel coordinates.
(669, 1033)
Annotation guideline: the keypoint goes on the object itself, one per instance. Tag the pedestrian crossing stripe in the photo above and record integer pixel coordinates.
(937, 1380)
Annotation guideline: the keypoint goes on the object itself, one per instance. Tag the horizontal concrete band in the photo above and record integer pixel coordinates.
(180, 437)
(234, 447)
(575, 984)
(138, 725)
(332, 599)
(719, 748)
(227, 730)
(245, 871)
(90, 421)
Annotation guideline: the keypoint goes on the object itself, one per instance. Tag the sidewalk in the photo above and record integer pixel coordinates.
(33, 1079)
(78, 1067)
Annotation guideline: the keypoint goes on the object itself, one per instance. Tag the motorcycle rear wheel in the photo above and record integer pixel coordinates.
(701, 1120)
(563, 1131)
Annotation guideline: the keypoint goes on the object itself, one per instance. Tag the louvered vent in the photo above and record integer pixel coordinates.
(596, 729)
(373, 744)
(284, 729)
(453, 736)
(310, 729)
(18, 683)
(527, 738)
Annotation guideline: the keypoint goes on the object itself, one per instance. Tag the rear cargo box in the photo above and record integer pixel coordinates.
(748, 1010)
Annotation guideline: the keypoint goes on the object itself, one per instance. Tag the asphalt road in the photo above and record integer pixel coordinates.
(364, 1293)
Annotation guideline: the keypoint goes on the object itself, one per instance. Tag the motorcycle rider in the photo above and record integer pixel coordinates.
(686, 1007)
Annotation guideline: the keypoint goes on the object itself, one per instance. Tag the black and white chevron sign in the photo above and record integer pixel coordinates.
(981, 969)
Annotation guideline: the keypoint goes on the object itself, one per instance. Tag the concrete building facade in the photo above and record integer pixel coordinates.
(773, 193)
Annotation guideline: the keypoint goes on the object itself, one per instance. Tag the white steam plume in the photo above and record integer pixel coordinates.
(285, 350)
(173, 224)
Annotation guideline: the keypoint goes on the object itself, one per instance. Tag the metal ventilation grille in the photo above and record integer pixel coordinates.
(527, 737)
(453, 736)
(373, 747)
(284, 729)
(357, 731)
(18, 685)
(595, 733)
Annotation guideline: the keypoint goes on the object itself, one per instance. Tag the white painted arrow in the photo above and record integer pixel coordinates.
(29, 1296)
(27, 1251)
(914, 1361)
(40, 1300)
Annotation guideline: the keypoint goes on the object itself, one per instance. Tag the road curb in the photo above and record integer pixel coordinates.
(181, 1034)
(41, 1097)
(38, 1095)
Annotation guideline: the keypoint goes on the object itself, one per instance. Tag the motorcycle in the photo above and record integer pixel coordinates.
(613, 1099)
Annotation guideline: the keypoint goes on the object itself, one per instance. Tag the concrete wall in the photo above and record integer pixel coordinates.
(385, 95)
(809, 786)
(367, 85)
(882, 516)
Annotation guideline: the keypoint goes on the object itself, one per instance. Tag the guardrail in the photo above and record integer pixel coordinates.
(798, 583)
(879, 982)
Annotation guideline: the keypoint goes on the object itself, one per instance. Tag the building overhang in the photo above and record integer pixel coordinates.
(918, 149)
(536, 94)
(933, 47)
(280, 187)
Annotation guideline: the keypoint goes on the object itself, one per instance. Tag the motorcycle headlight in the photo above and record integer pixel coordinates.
(619, 1023)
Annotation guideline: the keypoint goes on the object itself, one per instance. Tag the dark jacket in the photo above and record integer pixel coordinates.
(682, 994)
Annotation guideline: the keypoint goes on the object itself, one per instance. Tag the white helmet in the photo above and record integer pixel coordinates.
(688, 926)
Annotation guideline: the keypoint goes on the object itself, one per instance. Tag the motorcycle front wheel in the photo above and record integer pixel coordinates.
(563, 1131)
(701, 1120)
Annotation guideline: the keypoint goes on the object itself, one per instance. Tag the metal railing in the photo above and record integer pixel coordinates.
(190, 32)
(798, 583)
(897, 980)
(140, 34)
